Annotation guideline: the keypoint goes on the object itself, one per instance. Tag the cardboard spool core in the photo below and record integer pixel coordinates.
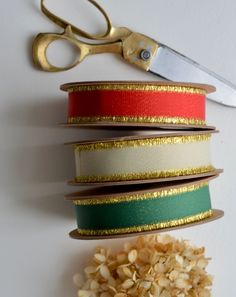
(124, 190)
(105, 192)
(146, 181)
(123, 126)
(140, 137)
(118, 86)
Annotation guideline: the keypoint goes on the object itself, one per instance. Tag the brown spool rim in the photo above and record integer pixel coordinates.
(124, 190)
(147, 181)
(142, 137)
(205, 87)
(124, 125)
(217, 214)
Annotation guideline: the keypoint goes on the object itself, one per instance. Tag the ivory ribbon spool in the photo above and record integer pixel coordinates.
(135, 159)
(102, 213)
(154, 104)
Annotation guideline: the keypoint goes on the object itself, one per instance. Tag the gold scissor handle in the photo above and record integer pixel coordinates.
(119, 40)
(43, 40)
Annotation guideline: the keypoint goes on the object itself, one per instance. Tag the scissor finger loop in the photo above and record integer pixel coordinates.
(64, 24)
(43, 40)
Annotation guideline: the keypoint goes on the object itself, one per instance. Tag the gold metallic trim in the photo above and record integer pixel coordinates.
(137, 119)
(144, 175)
(143, 196)
(141, 142)
(151, 227)
(137, 87)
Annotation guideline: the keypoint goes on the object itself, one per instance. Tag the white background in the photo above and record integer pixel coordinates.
(37, 258)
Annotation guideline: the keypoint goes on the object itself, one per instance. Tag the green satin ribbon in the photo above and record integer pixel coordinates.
(104, 218)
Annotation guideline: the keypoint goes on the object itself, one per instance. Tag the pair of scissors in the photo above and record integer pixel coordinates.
(135, 48)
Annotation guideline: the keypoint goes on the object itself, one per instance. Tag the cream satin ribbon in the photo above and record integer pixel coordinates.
(143, 158)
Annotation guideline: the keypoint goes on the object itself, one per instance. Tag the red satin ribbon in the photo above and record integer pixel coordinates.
(136, 106)
(136, 103)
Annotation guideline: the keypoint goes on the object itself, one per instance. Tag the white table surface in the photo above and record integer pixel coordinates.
(37, 257)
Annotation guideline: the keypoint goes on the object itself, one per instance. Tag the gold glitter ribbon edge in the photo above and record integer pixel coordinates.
(137, 87)
(151, 227)
(137, 119)
(144, 175)
(141, 142)
(142, 196)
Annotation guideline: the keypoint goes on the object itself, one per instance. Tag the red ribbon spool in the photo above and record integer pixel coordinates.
(137, 104)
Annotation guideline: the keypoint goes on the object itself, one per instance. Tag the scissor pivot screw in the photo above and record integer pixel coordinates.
(145, 55)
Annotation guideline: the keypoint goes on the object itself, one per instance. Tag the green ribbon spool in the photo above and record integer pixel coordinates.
(143, 211)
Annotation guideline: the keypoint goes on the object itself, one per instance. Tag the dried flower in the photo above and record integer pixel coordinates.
(150, 266)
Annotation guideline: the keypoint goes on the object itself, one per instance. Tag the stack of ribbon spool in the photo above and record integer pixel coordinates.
(148, 182)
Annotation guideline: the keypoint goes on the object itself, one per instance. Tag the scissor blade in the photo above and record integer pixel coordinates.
(173, 66)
